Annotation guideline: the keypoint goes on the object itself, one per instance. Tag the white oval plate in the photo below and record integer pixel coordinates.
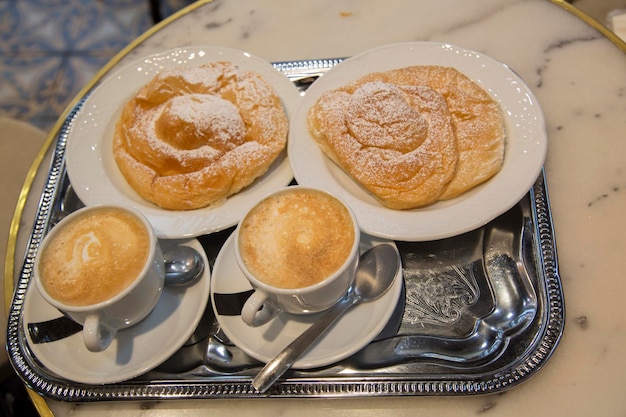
(96, 178)
(526, 145)
(134, 350)
(352, 331)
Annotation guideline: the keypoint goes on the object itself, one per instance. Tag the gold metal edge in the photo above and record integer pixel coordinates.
(9, 263)
(38, 401)
(608, 33)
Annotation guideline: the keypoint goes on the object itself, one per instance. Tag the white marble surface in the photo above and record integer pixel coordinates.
(578, 76)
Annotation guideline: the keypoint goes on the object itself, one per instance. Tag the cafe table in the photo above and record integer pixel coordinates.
(574, 67)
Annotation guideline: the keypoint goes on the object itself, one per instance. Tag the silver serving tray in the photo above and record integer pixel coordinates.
(479, 313)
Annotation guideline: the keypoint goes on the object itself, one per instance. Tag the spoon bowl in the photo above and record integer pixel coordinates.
(375, 274)
(183, 266)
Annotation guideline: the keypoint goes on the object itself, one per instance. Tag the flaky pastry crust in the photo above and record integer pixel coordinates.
(383, 136)
(196, 135)
(472, 116)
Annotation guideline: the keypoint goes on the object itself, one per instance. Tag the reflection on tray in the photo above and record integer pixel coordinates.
(512, 301)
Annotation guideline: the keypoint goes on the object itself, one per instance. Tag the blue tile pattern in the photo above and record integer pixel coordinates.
(49, 49)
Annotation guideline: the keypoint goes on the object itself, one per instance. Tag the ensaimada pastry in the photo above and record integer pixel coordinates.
(194, 136)
(411, 136)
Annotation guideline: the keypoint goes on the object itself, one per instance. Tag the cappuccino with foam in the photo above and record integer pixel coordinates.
(296, 239)
(94, 257)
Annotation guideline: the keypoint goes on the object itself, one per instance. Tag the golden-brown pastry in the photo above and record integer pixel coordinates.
(195, 135)
(411, 136)
(384, 136)
(476, 119)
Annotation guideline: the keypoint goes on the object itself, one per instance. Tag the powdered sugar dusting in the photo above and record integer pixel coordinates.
(212, 121)
(412, 135)
(396, 144)
(379, 115)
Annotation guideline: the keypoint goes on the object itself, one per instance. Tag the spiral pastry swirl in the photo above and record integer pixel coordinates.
(411, 136)
(193, 136)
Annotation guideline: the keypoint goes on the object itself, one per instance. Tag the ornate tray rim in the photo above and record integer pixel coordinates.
(301, 73)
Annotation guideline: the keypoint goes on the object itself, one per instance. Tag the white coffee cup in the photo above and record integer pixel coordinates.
(102, 266)
(299, 249)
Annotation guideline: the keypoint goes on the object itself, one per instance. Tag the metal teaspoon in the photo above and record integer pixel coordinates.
(374, 275)
(183, 265)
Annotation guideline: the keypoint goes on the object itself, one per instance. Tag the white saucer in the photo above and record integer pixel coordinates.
(526, 145)
(135, 350)
(94, 173)
(354, 330)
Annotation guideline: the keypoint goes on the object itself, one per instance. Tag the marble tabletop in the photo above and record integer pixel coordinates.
(579, 77)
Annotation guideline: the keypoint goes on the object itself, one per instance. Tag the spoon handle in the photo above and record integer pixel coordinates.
(275, 368)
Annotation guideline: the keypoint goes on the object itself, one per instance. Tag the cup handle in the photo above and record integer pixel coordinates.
(97, 334)
(258, 309)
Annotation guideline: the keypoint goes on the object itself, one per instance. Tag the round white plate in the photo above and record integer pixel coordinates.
(96, 177)
(135, 350)
(354, 330)
(526, 145)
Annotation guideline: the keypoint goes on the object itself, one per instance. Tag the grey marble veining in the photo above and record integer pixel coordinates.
(579, 78)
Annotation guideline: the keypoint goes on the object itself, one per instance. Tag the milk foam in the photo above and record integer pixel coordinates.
(296, 239)
(94, 257)
(82, 248)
